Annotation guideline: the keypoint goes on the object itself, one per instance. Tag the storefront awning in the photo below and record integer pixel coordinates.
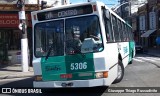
(146, 34)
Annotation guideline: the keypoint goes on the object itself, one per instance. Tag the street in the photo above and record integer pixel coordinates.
(144, 72)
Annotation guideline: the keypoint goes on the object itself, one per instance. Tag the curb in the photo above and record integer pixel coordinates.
(15, 76)
(151, 54)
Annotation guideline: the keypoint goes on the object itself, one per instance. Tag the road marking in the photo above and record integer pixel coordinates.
(135, 59)
(149, 59)
(145, 58)
(154, 58)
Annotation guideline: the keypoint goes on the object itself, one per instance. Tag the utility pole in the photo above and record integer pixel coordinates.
(38, 5)
(24, 40)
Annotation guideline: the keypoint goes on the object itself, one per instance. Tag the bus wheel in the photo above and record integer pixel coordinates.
(120, 72)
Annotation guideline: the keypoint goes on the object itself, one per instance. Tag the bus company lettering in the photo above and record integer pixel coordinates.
(125, 49)
(53, 68)
(67, 13)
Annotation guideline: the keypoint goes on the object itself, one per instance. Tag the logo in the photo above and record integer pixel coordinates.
(15, 90)
(6, 90)
(125, 49)
(53, 68)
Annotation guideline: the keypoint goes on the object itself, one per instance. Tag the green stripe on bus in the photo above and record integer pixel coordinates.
(79, 63)
(53, 67)
(131, 49)
(80, 66)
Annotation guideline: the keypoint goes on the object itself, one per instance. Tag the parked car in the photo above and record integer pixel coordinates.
(139, 48)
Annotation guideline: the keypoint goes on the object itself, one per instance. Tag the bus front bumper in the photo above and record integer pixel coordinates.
(73, 83)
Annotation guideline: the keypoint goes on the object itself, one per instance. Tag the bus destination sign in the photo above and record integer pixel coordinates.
(80, 10)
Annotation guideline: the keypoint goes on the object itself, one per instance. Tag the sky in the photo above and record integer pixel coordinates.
(108, 2)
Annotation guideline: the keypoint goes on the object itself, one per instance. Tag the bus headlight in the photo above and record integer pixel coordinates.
(38, 78)
(101, 74)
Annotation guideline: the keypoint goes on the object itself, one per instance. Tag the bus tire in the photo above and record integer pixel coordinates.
(120, 72)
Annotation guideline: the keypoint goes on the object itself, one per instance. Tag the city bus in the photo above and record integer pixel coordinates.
(80, 45)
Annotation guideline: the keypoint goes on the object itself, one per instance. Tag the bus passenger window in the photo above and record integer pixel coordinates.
(119, 30)
(123, 31)
(108, 28)
(114, 24)
(126, 33)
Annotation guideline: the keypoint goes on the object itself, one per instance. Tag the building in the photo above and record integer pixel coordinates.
(128, 7)
(134, 22)
(10, 34)
(143, 24)
(149, 23)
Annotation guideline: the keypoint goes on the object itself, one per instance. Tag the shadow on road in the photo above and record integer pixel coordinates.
(27, 84)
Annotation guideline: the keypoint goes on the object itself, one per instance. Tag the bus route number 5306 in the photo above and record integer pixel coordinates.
(78, 66)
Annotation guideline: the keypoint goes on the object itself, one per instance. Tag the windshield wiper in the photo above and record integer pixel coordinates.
(49, 52)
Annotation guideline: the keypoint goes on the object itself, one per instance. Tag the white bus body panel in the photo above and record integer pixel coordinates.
(37, 66)
(125, 55)
(76, 83)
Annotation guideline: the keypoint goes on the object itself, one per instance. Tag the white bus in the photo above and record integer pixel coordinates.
(80, 45)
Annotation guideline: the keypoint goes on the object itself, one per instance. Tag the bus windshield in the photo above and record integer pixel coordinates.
(68, 36)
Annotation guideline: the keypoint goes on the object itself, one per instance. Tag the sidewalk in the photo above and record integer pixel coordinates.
(153, 52)
(8, 71)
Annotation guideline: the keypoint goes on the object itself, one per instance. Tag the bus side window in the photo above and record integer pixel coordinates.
(119, 30)
(108, 28)
(123, 30)
(115, 28)
(127, 33)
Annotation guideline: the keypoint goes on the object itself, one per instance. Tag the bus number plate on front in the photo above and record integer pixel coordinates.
(78, 66)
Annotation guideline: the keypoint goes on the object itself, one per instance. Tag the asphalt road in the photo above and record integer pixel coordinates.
(144, 72)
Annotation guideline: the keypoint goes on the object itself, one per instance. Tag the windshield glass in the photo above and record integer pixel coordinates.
(80, 35)
(83, 35)
(49, 34)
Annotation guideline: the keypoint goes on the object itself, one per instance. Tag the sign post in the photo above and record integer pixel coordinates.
(24, 40)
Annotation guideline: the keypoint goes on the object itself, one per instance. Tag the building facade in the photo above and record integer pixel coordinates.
(10, 34)
(142, 24)
(149, 23)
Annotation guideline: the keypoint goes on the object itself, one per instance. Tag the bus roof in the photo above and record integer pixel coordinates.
(98, 3)
(64, 6)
